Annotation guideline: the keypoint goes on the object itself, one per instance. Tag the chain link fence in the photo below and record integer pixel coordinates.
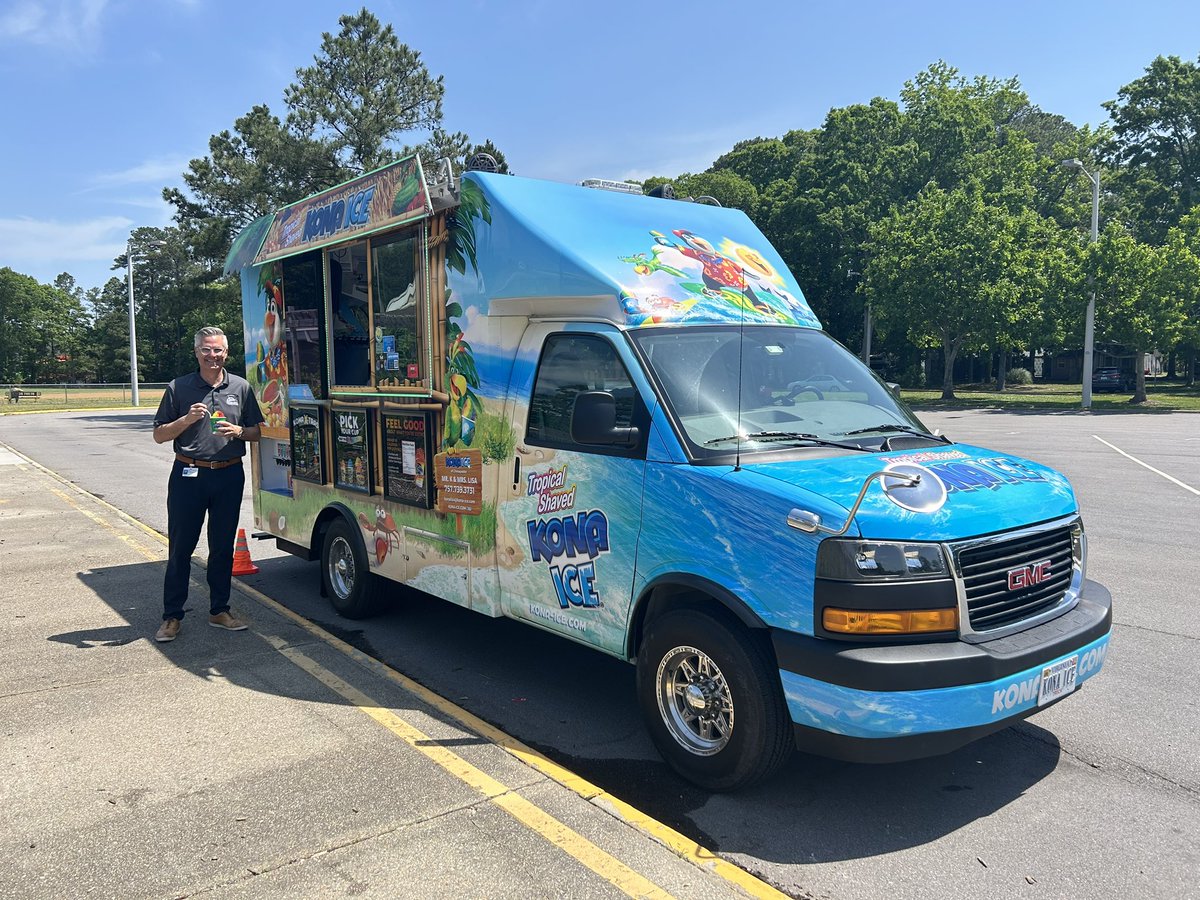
(78, 395)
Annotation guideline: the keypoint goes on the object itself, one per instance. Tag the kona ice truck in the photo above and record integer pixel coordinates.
(615, 418)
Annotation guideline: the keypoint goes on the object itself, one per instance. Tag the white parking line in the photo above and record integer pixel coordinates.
(1186, 487)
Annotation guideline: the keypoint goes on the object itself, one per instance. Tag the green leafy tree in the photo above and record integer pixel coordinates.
(761, 161)
(1155, 125)
(346, 114)
(20, 298)
(1181, 274)
(457, 148)
(940, 271)
(364, 90)
(107, 355)
(43, 327)
(250, 171)
(727, 188)
(854, 173)
(1136, 305)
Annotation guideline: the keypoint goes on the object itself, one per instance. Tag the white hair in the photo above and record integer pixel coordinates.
(210, 331)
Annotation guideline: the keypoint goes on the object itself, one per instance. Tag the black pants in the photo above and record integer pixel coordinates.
(217, 493)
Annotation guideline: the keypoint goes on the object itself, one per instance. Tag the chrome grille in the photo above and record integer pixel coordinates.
(984, 567)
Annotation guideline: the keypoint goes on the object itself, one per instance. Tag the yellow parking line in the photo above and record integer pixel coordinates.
(679, 844)
(153, 555)
(532, 817)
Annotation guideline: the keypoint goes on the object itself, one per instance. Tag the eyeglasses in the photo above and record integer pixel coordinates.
(211, 351)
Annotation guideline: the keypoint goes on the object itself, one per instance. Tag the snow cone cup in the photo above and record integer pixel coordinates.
(215, 420)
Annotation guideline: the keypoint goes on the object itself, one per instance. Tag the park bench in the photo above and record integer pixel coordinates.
(15, 394)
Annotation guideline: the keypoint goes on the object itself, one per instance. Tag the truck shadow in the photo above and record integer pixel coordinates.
(578, 707)
(822, 810)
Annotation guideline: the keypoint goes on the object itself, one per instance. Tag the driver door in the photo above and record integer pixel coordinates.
(570, 519)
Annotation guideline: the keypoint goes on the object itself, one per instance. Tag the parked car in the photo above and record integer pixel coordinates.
(1110, 378)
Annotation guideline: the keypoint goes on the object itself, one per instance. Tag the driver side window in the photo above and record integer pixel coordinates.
(571, 364)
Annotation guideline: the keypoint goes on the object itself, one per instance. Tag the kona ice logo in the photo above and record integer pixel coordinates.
(568, 544)
(333, 217)
(989, 474)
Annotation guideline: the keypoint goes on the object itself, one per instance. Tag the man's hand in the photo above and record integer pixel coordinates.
(229, 430)
(172, 430)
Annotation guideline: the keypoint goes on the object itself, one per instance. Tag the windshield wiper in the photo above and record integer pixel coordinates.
(900, 428)
(768, 436)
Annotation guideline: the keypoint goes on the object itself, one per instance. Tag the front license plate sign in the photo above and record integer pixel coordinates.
(1058, 680)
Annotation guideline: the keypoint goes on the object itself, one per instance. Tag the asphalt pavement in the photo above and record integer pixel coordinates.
(275, 762)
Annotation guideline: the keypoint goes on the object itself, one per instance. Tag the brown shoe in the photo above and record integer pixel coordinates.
(227, 621)
(168, 630)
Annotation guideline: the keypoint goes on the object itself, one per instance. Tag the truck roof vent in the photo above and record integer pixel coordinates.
(605, 184)
(705, 198)
(483, 162)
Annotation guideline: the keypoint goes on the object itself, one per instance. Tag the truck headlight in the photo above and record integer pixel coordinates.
(884, 589)
(857, 560)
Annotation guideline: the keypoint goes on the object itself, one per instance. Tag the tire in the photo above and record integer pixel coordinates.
(354, 590)
(712, 702)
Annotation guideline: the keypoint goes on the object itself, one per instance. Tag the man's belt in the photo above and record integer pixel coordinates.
(208, 464)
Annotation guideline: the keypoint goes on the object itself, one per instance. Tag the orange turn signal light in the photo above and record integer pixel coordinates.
(892, 621)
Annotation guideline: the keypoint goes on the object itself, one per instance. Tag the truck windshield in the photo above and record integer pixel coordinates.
(761, 384)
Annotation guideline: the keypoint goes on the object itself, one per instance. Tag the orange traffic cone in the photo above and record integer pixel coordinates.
(242, 563)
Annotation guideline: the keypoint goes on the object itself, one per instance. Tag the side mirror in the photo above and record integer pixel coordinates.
(894, 388)
(594, 421)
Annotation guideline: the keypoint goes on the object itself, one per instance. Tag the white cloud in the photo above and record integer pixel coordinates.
(44, 248)
(85, 245)
(150, 171)
(28, 241)
(72, 25)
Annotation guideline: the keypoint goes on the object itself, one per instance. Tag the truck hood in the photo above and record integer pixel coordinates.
(986, 492)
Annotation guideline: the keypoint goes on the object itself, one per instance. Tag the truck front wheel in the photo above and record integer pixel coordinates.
(354, 590)
(712, 702)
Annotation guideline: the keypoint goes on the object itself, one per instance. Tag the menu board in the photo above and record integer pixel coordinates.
(308, 462)
(352, 449)
(406, 455)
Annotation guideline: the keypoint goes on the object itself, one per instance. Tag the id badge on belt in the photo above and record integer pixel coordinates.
(189, 472)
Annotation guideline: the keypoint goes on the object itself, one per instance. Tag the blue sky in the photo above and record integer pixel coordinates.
(105, 101)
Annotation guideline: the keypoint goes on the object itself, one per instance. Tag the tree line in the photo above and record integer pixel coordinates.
(947, 214)
(950, 215)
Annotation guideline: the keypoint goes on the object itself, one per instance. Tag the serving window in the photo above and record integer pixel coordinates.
(349, 315)
(379, 315)
(304, 323)
(400, 312)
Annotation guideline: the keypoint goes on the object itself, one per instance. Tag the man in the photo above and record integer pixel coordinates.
(210, 416)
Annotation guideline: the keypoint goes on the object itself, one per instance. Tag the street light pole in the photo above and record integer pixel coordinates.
(133, 370)
(1089, 322)
(867, 324)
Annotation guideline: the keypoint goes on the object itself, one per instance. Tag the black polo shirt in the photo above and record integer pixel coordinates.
(232, 396)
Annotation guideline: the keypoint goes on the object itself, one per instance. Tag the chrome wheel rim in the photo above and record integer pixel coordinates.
(341, 568)
(694, 701)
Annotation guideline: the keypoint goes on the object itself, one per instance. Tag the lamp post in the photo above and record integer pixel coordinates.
(867, 324)
(1089, 322)
(133, 372)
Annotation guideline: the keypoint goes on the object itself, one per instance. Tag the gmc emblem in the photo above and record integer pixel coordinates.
(1028, 576)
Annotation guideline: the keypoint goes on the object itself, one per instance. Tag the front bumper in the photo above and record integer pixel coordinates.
(884, 703)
